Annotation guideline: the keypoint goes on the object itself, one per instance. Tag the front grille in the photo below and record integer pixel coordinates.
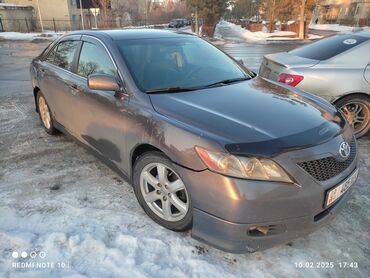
(328, 167)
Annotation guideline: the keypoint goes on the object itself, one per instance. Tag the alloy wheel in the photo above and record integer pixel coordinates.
(357, 114)
(164, 192)
(44, 112)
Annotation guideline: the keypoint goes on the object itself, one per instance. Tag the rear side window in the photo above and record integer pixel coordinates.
(330, 47)
(94, 59)
(50, 56)
(65, 53)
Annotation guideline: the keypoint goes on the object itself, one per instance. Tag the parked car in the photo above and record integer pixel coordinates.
(336, 68)
(177, 23)
(243, 162)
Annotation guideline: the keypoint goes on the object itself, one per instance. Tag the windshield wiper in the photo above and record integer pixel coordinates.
(189, 89)
(227, 81)
(171, 90)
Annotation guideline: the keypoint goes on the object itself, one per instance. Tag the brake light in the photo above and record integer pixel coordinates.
(290, 79)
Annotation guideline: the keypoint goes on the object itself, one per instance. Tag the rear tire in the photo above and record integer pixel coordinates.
(45, 114)
(163, 197)
(356, 108)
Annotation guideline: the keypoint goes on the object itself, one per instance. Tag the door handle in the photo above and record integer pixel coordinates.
(42, 72)
(74, 89)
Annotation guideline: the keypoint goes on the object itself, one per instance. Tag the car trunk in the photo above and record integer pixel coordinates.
(274, 64)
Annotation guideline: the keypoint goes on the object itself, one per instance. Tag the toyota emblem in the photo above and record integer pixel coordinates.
(344, 150)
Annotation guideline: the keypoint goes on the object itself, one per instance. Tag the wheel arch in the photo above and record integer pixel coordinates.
(351, 95)
(35, 91)
(139, 150)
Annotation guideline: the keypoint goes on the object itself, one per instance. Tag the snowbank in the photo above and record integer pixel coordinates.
(29, 36)
(335, 27)
(227, 30)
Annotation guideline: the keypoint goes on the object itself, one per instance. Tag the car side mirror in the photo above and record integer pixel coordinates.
(103, 82)
(241, 62)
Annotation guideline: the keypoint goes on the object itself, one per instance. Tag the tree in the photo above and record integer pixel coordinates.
(301, 19)
(210, 11)
(244, 9)
(284, 10)
(104, 5)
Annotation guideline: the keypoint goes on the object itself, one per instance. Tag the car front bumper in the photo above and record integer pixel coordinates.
(236, 238)
(230, 213)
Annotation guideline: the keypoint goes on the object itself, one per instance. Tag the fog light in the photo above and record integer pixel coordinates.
(258, 231)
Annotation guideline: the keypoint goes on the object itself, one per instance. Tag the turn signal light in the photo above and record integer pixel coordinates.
(290, 79)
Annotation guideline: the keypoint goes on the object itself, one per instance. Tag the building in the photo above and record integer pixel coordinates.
(57, 15)
(345, 12)
(16, 18)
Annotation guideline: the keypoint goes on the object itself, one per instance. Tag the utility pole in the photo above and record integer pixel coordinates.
(196, 22)
(146, 12)
(82, 16)
(301, 22)
(40, 18)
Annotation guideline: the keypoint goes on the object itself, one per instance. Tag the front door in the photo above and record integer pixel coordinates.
(99, 116)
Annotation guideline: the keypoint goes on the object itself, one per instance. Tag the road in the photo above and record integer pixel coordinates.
(58, 200)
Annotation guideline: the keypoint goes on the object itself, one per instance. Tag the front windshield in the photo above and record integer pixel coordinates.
(177, 63)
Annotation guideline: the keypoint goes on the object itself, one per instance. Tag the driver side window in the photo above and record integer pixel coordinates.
(94, 59)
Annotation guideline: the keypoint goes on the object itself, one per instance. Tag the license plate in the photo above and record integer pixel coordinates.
(333, 194)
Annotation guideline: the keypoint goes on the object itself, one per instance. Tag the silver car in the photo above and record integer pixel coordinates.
(336, 68)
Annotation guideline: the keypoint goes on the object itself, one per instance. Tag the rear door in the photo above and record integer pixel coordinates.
(55, 78)
(99, 116)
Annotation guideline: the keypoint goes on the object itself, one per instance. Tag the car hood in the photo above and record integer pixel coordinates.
(253, 117)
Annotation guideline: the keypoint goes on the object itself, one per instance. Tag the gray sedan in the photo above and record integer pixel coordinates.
(335, 68)
(206, 144)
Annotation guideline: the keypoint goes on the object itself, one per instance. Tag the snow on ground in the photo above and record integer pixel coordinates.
(314, 37)
(29, 36)
(60, 204)
(335, 27)
(227, 30)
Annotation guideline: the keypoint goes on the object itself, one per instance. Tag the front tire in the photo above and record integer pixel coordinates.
(45, 114)
(161, 192)
(356, 108)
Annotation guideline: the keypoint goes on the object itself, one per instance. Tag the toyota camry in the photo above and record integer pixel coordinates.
(244, 162)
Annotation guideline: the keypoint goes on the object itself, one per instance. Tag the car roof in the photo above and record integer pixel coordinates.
(128, 34)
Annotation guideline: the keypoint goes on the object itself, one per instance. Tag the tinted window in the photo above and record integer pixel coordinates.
(328, 48)
(182, 62)
(65, 53)
(51, 55)
(94, 59)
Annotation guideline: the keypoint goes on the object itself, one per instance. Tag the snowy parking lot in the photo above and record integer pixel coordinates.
(65, 214)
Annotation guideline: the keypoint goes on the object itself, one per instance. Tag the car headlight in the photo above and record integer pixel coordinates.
(243, 167)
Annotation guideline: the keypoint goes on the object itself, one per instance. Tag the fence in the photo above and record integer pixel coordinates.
(294, 27)
(27, 25)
